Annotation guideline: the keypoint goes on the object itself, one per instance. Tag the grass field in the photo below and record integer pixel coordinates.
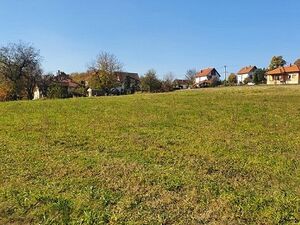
(211, 156)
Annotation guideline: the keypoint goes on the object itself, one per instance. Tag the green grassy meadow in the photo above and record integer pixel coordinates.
(209, 156)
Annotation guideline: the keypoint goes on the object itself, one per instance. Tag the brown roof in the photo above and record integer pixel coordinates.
(65, 80)
(247, 69)
(122, 76)
(205, 72)
(286, 69)
(69, 83)
(178, 81)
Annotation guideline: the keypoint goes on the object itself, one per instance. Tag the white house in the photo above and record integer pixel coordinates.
(246, 72)
(206, 76)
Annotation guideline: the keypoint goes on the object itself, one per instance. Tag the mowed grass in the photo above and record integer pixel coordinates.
(211, 156)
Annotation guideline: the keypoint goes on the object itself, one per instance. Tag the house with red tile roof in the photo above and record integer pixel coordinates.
(207, 76)
(246, 72)
(284, 75)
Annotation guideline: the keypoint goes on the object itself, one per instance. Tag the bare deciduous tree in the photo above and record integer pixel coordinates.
(167, 82)
(190, 76)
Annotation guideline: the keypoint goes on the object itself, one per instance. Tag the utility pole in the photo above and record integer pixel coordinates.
(225, 67)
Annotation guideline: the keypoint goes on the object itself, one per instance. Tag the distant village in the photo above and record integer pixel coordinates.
(21, 77)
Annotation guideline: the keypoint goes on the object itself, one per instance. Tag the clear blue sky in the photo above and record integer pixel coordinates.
(167, 35)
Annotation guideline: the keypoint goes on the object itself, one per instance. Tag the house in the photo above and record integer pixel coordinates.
(67, 86)
(127, 82)
(245, 73)
(206, 77)
(284, 75)
(181, 84)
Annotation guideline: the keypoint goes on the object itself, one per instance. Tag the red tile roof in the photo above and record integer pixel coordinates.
(205, 72)
(247, 69)
(65, 80)
(286, 69)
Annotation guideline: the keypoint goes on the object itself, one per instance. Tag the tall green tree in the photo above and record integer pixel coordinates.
(150, 82)
(277, 61)
(259, 76)
(20, 65)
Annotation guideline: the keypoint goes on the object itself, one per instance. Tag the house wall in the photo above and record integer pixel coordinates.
(292, 78)
(242, 77)
(200, 79)
(185, 86)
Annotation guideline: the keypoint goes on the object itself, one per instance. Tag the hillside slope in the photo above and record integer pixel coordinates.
(213, 156)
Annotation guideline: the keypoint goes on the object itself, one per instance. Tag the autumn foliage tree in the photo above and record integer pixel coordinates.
(5, 89)
(20, 66)
(232, 79)
(103, 71)
(277, 61)
(297, 62)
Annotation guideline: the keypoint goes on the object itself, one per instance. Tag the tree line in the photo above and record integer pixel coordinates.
(21, 72)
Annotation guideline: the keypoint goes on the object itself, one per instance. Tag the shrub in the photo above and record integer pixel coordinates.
(150, 82)
(57, 91)
(5, 91)
(247, 80)
(259, 76)
(232, 79)
(80, 91)
(166, 86)
(214, 82)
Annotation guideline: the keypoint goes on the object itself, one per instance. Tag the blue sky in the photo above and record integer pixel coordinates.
(167, 35)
